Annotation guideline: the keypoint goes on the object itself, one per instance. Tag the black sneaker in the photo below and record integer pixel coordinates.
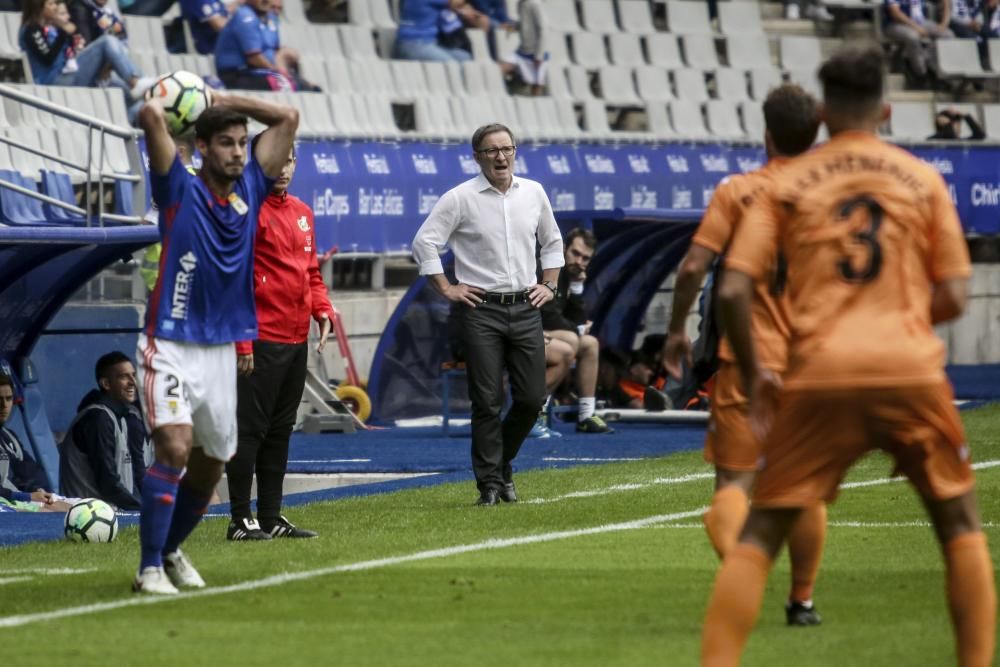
(797, 613)
(593, 424)
(508, 493)
(285, 528)
(245, 529)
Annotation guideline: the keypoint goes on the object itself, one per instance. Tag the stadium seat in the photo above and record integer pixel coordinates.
(313, 68)
(373, 77)
(552, 125)
(731, 84)
(456, 77)
(558, 86)
(625, 49)
(636, 17)
(689, 121)
(753, 120)
(292, 12)
(653, 83)
(6, 162)
(658, 121)
(598, 16)
(480, 46)
(58, 185)
(345, 118)
(800, 53)
(28, 163)
(685, 17)
(568, 118)
(507, 43)
(378, 115)
(145, 34)
(724, 120)
(315, 113)
(689, 84)
(959, 59)
(408, 79)
(17, 208)
(911, 120)
(588, 49)
(579, 83)
(617, 86)
(762, 80)
(560, 15)
(993, 51)
(662, 50)
(434, 119)
(328, 40)
(740, 18)
(748, 51)
(699, 51)
(968, 108)
(557, 44)
(808, 79)
(595, 120)
(991, 120)
(357, 42)
(370, 14)
(529, 122)
(437, 81)
(483, 79)
(10, 23)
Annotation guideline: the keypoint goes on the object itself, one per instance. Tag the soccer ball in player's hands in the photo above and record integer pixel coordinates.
(184, 96)
(91, 520)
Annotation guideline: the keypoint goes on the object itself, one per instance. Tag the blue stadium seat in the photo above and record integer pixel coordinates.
(17, 208)
(59, 185)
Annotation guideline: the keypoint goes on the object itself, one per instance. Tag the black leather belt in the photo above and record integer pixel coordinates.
(506, 298)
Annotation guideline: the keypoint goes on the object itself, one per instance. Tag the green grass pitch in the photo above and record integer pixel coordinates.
(579, 574)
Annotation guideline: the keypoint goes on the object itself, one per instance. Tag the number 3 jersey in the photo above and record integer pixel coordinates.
(204, 292)
(724, 215)
(867, 230)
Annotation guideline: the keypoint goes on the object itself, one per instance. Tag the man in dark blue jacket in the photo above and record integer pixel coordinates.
(106, 447)
(18, 470)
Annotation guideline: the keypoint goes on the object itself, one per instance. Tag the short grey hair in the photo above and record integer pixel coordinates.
(477, 136)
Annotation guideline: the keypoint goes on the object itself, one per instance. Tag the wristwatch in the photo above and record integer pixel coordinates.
(550, 285)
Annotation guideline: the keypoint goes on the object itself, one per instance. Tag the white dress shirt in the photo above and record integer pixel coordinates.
(493, 235)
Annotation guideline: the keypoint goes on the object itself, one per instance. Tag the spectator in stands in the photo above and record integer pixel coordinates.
(451, 32)
(497, 225)
(530, 61)
(106, 448)
(94, 19)
(249, 55)
(565, 320)
(948, 125)
(289, 292)
(18, 470)
(44, 36)
(962, 18)
(496, 17)
(417, 38)
(206, 18)
(906, 25)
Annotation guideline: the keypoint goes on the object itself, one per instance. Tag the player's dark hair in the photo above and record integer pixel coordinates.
(853, 79)
(791, 118)
(588, 237)
(214, 120)
(478, 135)
(105, 363)
(6, 381)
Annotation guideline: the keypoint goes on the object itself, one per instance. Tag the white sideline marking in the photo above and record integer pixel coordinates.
(50, 570)
(589, 459)
(280, 579)
(13, 580)
(622, 487)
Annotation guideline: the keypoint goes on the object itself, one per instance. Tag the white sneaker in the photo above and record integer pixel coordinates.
(792, 11)
(181, 572)
(142, 84)
(818, 12)
(153, 580)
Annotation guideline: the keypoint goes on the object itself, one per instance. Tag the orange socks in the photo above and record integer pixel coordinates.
(972, 598)
(805, 549)
(725, 518)
(736, 600)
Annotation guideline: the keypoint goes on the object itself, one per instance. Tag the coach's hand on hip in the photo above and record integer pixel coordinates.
(467, 294)
(541, 294)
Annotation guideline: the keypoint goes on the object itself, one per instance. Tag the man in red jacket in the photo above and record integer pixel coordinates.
(272, 369)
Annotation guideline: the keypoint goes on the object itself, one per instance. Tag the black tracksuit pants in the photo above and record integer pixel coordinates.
(267, 402)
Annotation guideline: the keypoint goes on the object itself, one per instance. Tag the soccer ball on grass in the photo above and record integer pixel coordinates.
(184, 96)
(91, 520)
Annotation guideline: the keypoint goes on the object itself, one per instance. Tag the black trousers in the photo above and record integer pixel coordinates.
(498, 337)
(266, 404)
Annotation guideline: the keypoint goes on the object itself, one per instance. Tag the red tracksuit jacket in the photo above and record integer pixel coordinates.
(287, 283)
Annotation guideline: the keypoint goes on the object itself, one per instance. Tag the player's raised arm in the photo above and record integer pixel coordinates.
(274, 144)
(159, 144)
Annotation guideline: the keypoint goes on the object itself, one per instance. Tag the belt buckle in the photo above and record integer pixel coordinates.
(504, 299)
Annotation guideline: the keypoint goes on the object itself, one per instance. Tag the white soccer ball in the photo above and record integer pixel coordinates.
(91, 520)
(184, 96)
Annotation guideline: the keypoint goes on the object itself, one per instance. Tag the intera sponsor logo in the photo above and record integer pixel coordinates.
(380, 202)
(559, 164)
(713, 162)
(944, 166)
(183, 284)
(748, 164)
(678, 164)
(326, 164)
(604, 198)
(469, 165)
(376, 164)
(599, 164)
(643, 197)
(639, 164)
(564, 201)
(327, 203)
(985, 194)
(426, 201)
(680, 197)
(424, 164)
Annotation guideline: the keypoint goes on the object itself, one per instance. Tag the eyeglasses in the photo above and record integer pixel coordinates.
(493, 152)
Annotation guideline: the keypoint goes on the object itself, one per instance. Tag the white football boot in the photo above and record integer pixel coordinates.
(181, 572)
(153, 580)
